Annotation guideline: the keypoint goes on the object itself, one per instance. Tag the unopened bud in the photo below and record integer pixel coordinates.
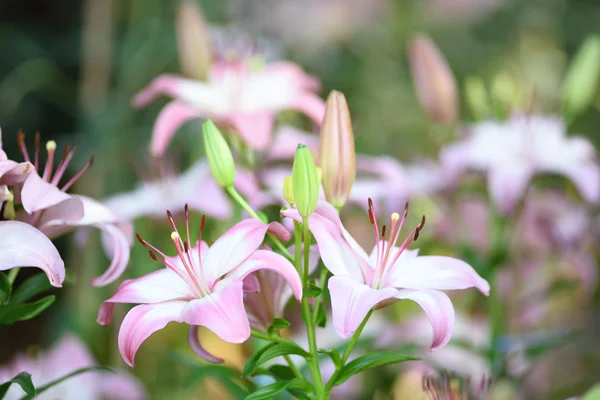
(433, 80)
(504, 92)
(8, 209)
(193, 41)
(219, 156)
(583, 77)
(476, 97)
(288, 190)
(337, 155)
(305, 182)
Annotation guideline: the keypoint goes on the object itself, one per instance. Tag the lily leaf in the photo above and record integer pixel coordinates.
(30, 287)
(5, 289)
(21, 312)
(269, 352)
(23, 380)
(270, 391)
(47, 386)
(372, 360)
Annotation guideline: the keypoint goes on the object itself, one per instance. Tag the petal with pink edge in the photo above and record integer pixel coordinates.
(22, 245)
(351, 301)
(222, 312)
(254, 128)
(311, 105)
(507, 185)
(196, 345)
(37, 194)
(169, 120)
(435, 272)
(439, 309)
(265, 259)
(142, 321)
(235, 245)
(155, 287)
(117, 250)
(585, 177)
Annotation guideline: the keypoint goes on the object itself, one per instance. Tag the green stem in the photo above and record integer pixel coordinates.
(347, 352)
(293, 366)
(264, 336)
(318, 300)
(313, 361)
(236, 196)
(12, 275)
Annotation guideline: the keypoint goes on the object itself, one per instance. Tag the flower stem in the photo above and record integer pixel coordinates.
(347, 353)
(237, 197)
(318, 300)
(313, 361)
(12, 275)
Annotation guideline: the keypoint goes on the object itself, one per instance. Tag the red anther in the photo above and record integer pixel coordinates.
(142, 241)
(203, 223)
(152, 255)
(383, 232)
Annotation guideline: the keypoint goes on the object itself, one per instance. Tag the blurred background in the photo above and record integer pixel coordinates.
(70, 68)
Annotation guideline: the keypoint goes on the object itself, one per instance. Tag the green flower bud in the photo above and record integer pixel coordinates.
(288, 190)
(581, 83)
(305, 181)
(505, 92)
(476, 97)
(219, 156)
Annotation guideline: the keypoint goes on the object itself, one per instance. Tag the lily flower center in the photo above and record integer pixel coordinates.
(385, 257)
(187, 264)
(48, 175)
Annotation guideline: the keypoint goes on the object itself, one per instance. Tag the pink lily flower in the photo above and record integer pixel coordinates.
(55, 212)
(361, 281)
(201, 286)
(235, 95)
(67, 356)
(512, 153)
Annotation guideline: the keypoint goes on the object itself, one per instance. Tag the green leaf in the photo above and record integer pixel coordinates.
(334, 354)
(225, 375)
(270, 352)
(321, 316)
(372, 360)
(278, 323)
(313, 290)
(282, 372)
(30, 287)
(47, 386)
(593, 393)
(23, 380)
(21, 312)
(5, 289)
(270, 391)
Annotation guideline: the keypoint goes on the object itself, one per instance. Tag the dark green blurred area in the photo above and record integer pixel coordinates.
(70, 68)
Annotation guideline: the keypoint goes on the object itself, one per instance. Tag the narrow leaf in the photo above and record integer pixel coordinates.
(30, 287)
(321, 319)
(368, 361)
(21, 312)
(5, 288)
(270, 391)
(47, 386)
(334, 354)
(270, 352)
(23, 380)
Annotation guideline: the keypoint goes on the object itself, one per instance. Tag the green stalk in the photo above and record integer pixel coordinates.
(12, 275)
(318, 300)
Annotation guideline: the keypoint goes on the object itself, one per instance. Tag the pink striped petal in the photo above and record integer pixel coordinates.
(235, 245)
(118, 250)
(438, 308)
(169, 120)
(265, 259)
(194, 342)
(294, 74)
(142, 321)
(37, 194)
(222, 311)
(255, 128)
(351, 301)
(161, 85)
(22, 245)
(435, 272)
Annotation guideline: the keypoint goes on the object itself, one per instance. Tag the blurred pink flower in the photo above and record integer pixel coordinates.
(200, 286)
(512, 152)
(390, 273)
(67, 356)
(55, 212)
(236, 95)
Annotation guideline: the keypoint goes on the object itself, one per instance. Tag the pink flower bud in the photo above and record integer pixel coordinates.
(434, 82)
(337, 154)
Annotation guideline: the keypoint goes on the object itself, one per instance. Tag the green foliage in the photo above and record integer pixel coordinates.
(42, 389)
(5, 289)
(23, 380)
(270, 391)
(372, 360)
(21, 312)
(270, 352)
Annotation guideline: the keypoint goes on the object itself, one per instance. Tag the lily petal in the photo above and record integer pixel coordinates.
(22, 245)
(351, 301)
(142, 321)
(37, 194)
(507, 185)
(255, 128)
(438, 308)
(235, 245)
(585, 177)
(169, 120)
(311, 105)
(265, 259)
(117, 249)
(195, 344)
(435, 272)
(222, 311)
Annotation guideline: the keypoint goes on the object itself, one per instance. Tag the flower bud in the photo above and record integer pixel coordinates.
(305, 183)
(504, 92)
(476, 97)
(219, 156)
(433, 80)
(8, 211)
(288, 190)
(193, 41)
(581, 83)
(337, 155)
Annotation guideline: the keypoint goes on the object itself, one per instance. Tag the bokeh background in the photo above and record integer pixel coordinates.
(70, 68)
